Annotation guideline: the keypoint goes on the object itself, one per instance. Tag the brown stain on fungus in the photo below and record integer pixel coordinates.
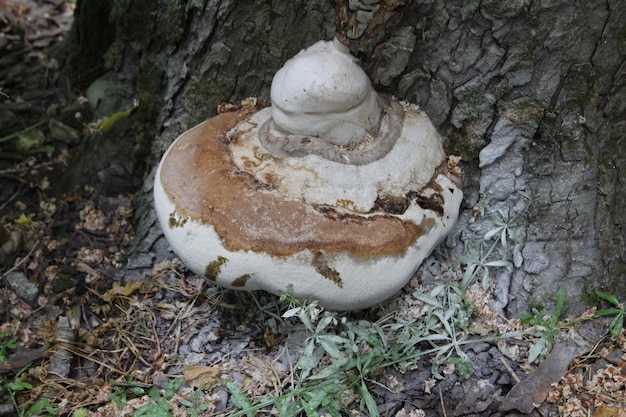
(199, 176)
(213, 269)
(241, 281)
(174, 222)
(391, 204)
(427, 223)
(434, 203)
(322, 268)
(347, 204)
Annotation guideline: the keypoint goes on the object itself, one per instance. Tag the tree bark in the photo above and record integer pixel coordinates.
(531, 94)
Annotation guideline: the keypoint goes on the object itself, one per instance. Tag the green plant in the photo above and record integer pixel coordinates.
(239, 398)
(118, 396)
(464, 366)
(7, 342)
(341, 356)
(504, 227)
(194, 407)
(119, 393)
(617, 324)
(545, 326)
(41, 408)
(159, 401)
(337, 361)
(344, 345)
(158, 405)
(477, 260)
(446, 324)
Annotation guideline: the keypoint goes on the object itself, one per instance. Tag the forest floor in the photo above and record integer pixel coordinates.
(87, 328)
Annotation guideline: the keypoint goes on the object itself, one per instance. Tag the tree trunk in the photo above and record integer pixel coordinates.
(531, 94)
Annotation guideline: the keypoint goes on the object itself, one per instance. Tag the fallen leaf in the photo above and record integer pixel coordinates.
(509, 350)
(271, 339)
(23, 219)
(118, 291)
(203, 377)
(262, 370)
(166, 311)
(606, 411)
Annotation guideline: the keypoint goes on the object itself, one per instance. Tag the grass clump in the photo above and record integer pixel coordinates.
(617, 310)
(544, 326)
(343, 357)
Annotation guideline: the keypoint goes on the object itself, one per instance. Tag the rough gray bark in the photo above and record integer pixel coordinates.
(541, 85)
(530, 93)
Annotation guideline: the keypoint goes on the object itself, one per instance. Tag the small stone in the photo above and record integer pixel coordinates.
(141, 260)
(23, 287)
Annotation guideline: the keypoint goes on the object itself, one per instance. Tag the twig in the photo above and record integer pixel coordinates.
(508, 368)
(21, 261)
(6, 203)
(15, 134)
(90, 356)
(292, 370)
(443, 406)
(131, 384)
(19, 169)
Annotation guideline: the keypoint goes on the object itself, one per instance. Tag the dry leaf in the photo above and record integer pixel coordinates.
(509, 350)
(259, 367)
(203, 377)
(606, 411)
(119, 291)
(166, 311)
(271, 339)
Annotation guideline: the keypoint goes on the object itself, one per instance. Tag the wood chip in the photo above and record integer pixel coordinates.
(533, 391)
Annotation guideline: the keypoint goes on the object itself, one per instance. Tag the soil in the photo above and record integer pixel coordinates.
(92, 317)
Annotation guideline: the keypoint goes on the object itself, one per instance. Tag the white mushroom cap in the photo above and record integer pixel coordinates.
(334, 191)
(323, 92)
(227, 225)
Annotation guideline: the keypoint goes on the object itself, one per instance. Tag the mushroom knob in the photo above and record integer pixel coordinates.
(323, 92)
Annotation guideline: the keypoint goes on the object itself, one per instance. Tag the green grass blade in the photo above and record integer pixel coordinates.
(558, 309)
(239, 398)
(368, 399)
(607, 297)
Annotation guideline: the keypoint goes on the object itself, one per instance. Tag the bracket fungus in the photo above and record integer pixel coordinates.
(334, 190)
